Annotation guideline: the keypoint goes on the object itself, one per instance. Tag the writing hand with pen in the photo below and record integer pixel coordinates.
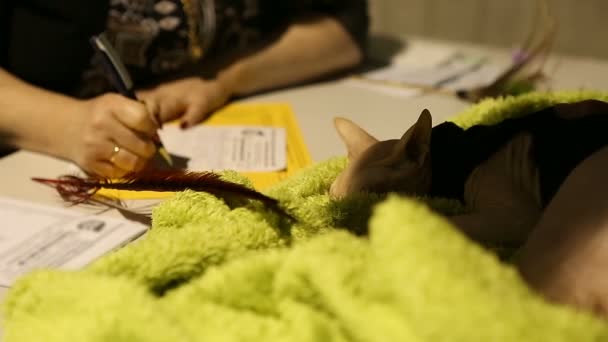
(117, 135)
(120, 133)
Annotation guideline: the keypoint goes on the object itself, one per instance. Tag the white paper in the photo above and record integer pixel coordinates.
(240, 148)
(34, 237)
(457, 72)
(387, 89)
(478, 77)
(453, 68)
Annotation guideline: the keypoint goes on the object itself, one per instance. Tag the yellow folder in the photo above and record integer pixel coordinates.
(259, 114)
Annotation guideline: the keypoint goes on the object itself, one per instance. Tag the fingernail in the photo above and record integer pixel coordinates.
(156, 138)
(183, 125)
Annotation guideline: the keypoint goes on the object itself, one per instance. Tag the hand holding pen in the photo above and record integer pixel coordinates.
(122, 82)
(108, 135)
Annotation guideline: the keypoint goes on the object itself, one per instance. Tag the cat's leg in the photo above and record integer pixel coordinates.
(566, 255)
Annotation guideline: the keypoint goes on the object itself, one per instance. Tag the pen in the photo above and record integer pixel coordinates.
(122, 82)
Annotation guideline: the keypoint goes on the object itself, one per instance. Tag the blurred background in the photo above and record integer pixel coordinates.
(582, 24)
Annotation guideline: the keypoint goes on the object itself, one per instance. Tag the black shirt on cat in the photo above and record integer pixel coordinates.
(558, 145)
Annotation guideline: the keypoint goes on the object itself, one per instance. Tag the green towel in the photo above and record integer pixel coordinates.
(214, 270)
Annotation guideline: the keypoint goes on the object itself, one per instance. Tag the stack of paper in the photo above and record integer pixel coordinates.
(458, 71)
(36, 236)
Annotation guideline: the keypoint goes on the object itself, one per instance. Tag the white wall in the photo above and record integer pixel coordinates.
(583, 24)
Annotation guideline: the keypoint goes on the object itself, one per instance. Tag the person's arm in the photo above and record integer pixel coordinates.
(25, 112)
(81, 131)
(309, 48)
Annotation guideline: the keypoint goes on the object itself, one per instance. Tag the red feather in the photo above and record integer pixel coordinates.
(77, 190)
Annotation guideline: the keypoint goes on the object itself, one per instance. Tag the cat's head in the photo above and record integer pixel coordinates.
(397, 165)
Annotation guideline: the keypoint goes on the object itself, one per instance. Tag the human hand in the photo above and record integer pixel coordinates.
(111, 135)
(190, 99)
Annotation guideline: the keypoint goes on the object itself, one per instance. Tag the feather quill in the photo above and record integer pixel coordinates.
(528, 53)
(534, 51)
(78, 190)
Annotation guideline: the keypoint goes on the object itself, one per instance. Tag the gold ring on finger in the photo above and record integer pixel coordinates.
(115, 152)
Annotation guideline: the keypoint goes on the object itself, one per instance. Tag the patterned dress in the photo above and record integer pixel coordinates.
(161, 37)
(46, 42)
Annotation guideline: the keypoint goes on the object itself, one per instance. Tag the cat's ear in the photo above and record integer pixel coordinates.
(415, 144)
(354, 137)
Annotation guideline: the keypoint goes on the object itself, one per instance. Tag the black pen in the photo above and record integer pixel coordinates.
(121, 80)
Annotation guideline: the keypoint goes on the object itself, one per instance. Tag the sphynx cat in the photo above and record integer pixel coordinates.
(539, 182)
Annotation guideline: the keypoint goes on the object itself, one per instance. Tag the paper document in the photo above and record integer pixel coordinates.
(381, 87)
(36, 237)
(444, 73)
(239, 148)
(457, 72)
(277, 116)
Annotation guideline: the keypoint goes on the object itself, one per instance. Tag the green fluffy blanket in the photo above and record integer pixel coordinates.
(211, 270)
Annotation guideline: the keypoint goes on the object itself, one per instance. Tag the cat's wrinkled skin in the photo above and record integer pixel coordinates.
(565, 247)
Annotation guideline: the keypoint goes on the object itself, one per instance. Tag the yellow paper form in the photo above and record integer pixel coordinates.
(257, 114)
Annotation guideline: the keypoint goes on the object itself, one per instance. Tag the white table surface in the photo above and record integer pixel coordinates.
(384, 116)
